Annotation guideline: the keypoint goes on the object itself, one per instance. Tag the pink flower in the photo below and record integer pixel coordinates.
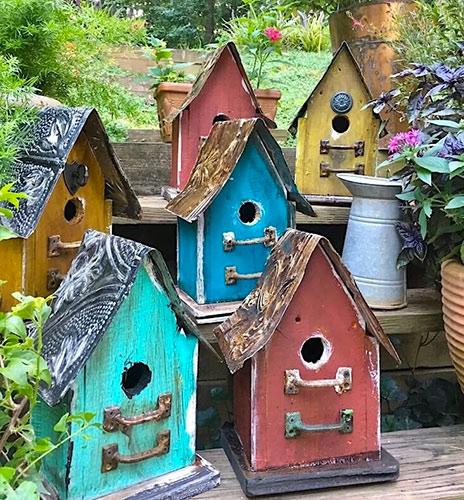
(403, 140)
(273, 34)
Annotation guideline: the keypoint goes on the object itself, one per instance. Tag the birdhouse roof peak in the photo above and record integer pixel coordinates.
(100, 279)
(216, 161)
(254, 323)
(344, 49)
(209, 66)
(36, 173)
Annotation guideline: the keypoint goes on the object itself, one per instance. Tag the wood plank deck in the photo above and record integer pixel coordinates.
(154, 212)
(431, 467)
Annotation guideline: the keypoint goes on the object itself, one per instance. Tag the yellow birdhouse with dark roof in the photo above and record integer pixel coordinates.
(334, 131)
(73, 182)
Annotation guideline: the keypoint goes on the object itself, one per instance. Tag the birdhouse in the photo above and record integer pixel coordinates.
(221, 91)
(118, 345)
(334, 131)
(240, 198)
(73, 182)
(304, 350)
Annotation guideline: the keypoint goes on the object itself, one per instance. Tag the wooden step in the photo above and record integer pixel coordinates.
(154, 212)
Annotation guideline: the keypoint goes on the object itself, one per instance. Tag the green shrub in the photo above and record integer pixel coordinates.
(308, 32)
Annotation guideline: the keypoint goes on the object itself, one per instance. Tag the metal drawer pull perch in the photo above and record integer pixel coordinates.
(325, 169)
(111, 457)
(294, 426)
(231, 276)
(357, 147)
(56, 247)
(113, 421)
(341, 383)
(268, 240)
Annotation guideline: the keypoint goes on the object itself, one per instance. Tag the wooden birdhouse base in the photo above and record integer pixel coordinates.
(207, 313)
(286, 480)
(183, 483)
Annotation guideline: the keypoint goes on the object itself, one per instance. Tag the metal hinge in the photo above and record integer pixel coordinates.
(294, 425)
(357, 147)
(54, 278)
(231, 275)
(56, 246)
(325, 169)
(268, 240)
(341, 383)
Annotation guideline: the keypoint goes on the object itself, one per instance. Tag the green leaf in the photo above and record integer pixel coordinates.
(407, 196)
(445, 123)
(456, 202)
(7, 473)
(455, 165)
(62, 424)
(427, 207)
(15, 325)
(423, 223)
(433, 164)
(6, 234)
(424, 175)
(17, 371)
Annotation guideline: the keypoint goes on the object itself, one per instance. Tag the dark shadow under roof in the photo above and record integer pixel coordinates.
(254, 323)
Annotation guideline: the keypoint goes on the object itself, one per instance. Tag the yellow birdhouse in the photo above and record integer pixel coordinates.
(334, 131)
(73, 182)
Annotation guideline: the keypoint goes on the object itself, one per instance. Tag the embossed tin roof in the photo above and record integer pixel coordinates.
(205, 73)
(41, 164)
(100, 279)
(216, 161)
(254, 323)
(344, 47)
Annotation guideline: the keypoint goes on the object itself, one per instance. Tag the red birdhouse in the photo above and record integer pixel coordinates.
(304, 347)
(221, 91)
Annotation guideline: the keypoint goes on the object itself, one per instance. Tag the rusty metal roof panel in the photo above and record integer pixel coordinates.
(205, 73)
(216, 161)
(344, 47)
(251, 327)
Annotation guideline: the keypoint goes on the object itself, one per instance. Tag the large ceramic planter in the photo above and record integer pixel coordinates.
(452, 280)
(372, 243)
(369, 29)
(169, 98)
(268, 99)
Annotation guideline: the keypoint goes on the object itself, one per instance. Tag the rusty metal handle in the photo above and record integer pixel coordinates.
(56, 246)
(231, 275)
(268, 240)
(341, 383)
(111, 457)
(357, 147)
(113, 421)
(325, 169)
(294, 426)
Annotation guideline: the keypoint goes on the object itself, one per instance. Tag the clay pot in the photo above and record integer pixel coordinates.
(268, 100)
(169, 97)
(452, 280)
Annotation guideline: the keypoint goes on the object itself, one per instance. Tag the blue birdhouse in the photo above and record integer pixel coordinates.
(239, 199)
(119, 345)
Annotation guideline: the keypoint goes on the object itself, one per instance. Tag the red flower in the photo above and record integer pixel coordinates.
(273, 34)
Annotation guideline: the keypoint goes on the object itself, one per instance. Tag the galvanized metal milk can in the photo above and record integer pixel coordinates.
(372, 242)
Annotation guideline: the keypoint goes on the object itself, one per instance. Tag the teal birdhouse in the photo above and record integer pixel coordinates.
(239, 199)
(119, 345)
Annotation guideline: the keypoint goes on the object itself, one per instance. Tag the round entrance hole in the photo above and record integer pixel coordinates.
(221, 117)
(74, 210)
(340, 124)
(312, 350)
(135, 378)
(248, 212)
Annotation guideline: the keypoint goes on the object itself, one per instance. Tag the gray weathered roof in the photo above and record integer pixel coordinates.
(41, 164)
(254, 323)
(216, 161)
(100, 278)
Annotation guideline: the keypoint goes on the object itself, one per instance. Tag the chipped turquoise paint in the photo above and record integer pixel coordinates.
(252, 179)
(187, 257)
(144, 330)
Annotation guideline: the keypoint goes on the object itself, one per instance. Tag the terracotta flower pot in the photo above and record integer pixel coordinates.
(169, 97)
(268, 99)
(452, 279)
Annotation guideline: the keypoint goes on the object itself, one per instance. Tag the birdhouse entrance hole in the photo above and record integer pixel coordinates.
(74, 211)
(135, 378)
(340, 124)
(315, 351)
(249, 212)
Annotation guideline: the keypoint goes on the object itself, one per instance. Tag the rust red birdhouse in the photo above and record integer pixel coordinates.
(221, 91)
(304, 350)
